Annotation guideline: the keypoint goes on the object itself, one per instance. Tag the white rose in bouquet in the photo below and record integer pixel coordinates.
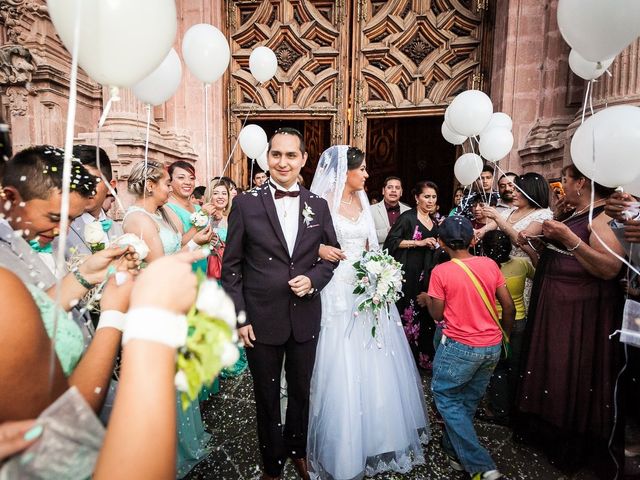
(139, 245)
(374, 267)
(181, 382)
(213, 301)
(199, 219)
(94, 234)
(230, 354)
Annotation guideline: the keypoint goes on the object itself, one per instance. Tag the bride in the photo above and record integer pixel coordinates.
(367, 411)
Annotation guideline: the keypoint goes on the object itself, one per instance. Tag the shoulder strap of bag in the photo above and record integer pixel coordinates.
(490, 306)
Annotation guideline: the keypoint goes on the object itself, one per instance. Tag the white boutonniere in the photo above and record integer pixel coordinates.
(307, 214)
(94, 235)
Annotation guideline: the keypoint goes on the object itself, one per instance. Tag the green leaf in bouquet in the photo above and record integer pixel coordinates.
(373, 331)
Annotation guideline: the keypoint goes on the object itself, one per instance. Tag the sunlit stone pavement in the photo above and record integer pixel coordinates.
(230, 416)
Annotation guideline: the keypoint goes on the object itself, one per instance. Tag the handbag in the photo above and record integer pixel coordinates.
(490, 306)
(214, 261)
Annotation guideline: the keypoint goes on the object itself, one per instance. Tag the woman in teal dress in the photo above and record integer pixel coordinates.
(148, 219)
(183, 180)
(219, 196)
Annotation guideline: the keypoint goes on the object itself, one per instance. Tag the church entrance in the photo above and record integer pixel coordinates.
(376, 74)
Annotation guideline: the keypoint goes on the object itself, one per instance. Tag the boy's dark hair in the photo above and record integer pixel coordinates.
(198, 192)
(480, 198)
(36, 171)
(388, 179)
(183, 165)
(508, 174)
(256, 171)
(536, 188)
(86, 155)
(488, 168)
(497, 246)
(289, 131)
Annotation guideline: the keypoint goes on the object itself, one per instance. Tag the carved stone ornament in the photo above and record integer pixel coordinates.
(16, 65)
(18, 101)
(13, 14)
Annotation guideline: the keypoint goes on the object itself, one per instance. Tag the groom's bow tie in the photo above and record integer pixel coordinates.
(283, 193)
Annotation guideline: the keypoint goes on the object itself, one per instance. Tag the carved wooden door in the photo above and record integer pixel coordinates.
(412, 56)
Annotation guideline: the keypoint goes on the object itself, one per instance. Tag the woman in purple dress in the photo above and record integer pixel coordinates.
(569, 369)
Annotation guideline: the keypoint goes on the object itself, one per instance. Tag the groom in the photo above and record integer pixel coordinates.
(272, 271)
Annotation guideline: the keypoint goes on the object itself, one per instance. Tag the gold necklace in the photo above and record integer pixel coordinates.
(597, 203)
(349, 202)
(512, 222)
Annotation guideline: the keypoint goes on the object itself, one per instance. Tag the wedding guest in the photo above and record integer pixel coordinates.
(219, 197)
(108, 203)
(484, 185)
(259, 177)
(197, 197)
(457, 199)
(412, 241)
(386, 213)
(470, 346)
(179, 207)
(479, 221)
(570, 366)
(148, 219)
(506, 191)
(504, 381)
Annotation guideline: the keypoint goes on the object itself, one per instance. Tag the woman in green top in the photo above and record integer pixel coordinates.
(183, 181)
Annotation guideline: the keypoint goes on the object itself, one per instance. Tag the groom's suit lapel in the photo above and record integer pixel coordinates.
(304, 199)
(272, 215)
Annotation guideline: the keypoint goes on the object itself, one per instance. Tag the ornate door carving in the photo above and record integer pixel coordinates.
(311, 41)
(412, 56)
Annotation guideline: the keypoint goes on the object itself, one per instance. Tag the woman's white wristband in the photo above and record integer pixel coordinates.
(191, 245)
(113, 319)
(155, 325)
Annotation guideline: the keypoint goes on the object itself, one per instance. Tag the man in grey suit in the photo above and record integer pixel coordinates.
(386, 213)
(76, 243)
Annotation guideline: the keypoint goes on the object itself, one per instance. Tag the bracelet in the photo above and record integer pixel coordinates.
(111, 318)
(81, 280)
(191, 245)
(155, 325)
(576, 247)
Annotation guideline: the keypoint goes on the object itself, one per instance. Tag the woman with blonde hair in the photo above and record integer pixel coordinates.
(148, 219)
(219, 197)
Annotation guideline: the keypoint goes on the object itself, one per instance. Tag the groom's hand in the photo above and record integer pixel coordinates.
(300, 285)
(246, 335)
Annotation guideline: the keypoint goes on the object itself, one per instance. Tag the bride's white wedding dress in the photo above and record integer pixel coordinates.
(367, 411)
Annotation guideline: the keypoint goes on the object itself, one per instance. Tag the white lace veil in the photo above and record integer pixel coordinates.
(329, 181)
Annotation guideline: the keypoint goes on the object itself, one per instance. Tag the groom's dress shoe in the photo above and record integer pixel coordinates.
(300, 464)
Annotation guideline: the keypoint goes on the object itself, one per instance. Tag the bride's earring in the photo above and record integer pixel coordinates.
(579, 193)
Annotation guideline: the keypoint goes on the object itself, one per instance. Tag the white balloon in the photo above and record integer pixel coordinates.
(468, 168)
(262, 160)
(162, 83)
(585, 68)
(599, 29)
(206, 52)
(498, 120)
(470, 112)
(253, 141)
(450, 136)
(616, 131)
(263, 64)
(633, 187)
(120, 41)
(495, 144)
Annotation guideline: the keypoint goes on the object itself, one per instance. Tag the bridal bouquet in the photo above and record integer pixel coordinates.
(378, 284)
(210, 344)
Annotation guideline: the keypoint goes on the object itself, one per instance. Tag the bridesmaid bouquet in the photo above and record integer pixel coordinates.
(210, 344)
(199, 219)
(378, 284)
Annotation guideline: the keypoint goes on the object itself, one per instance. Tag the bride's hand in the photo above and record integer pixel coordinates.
(331, 254)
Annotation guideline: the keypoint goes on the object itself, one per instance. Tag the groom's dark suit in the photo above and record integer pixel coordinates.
(255, 273)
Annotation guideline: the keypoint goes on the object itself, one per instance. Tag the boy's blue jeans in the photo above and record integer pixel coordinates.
(461, 374)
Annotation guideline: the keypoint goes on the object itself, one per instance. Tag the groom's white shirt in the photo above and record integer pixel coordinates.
(288, 210)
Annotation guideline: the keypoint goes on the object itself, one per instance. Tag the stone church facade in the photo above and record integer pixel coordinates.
(377, 74)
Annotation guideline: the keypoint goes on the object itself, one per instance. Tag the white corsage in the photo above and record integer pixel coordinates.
(94, 235)
(139, 245)
(199, 219)
(307, 214)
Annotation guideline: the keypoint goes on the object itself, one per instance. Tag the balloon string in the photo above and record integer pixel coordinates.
(66, 182)
(114, 96)
(586, 96)
(146, 160)
(251, 174)
(206, 135)
(478, 182)
(235, 144)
